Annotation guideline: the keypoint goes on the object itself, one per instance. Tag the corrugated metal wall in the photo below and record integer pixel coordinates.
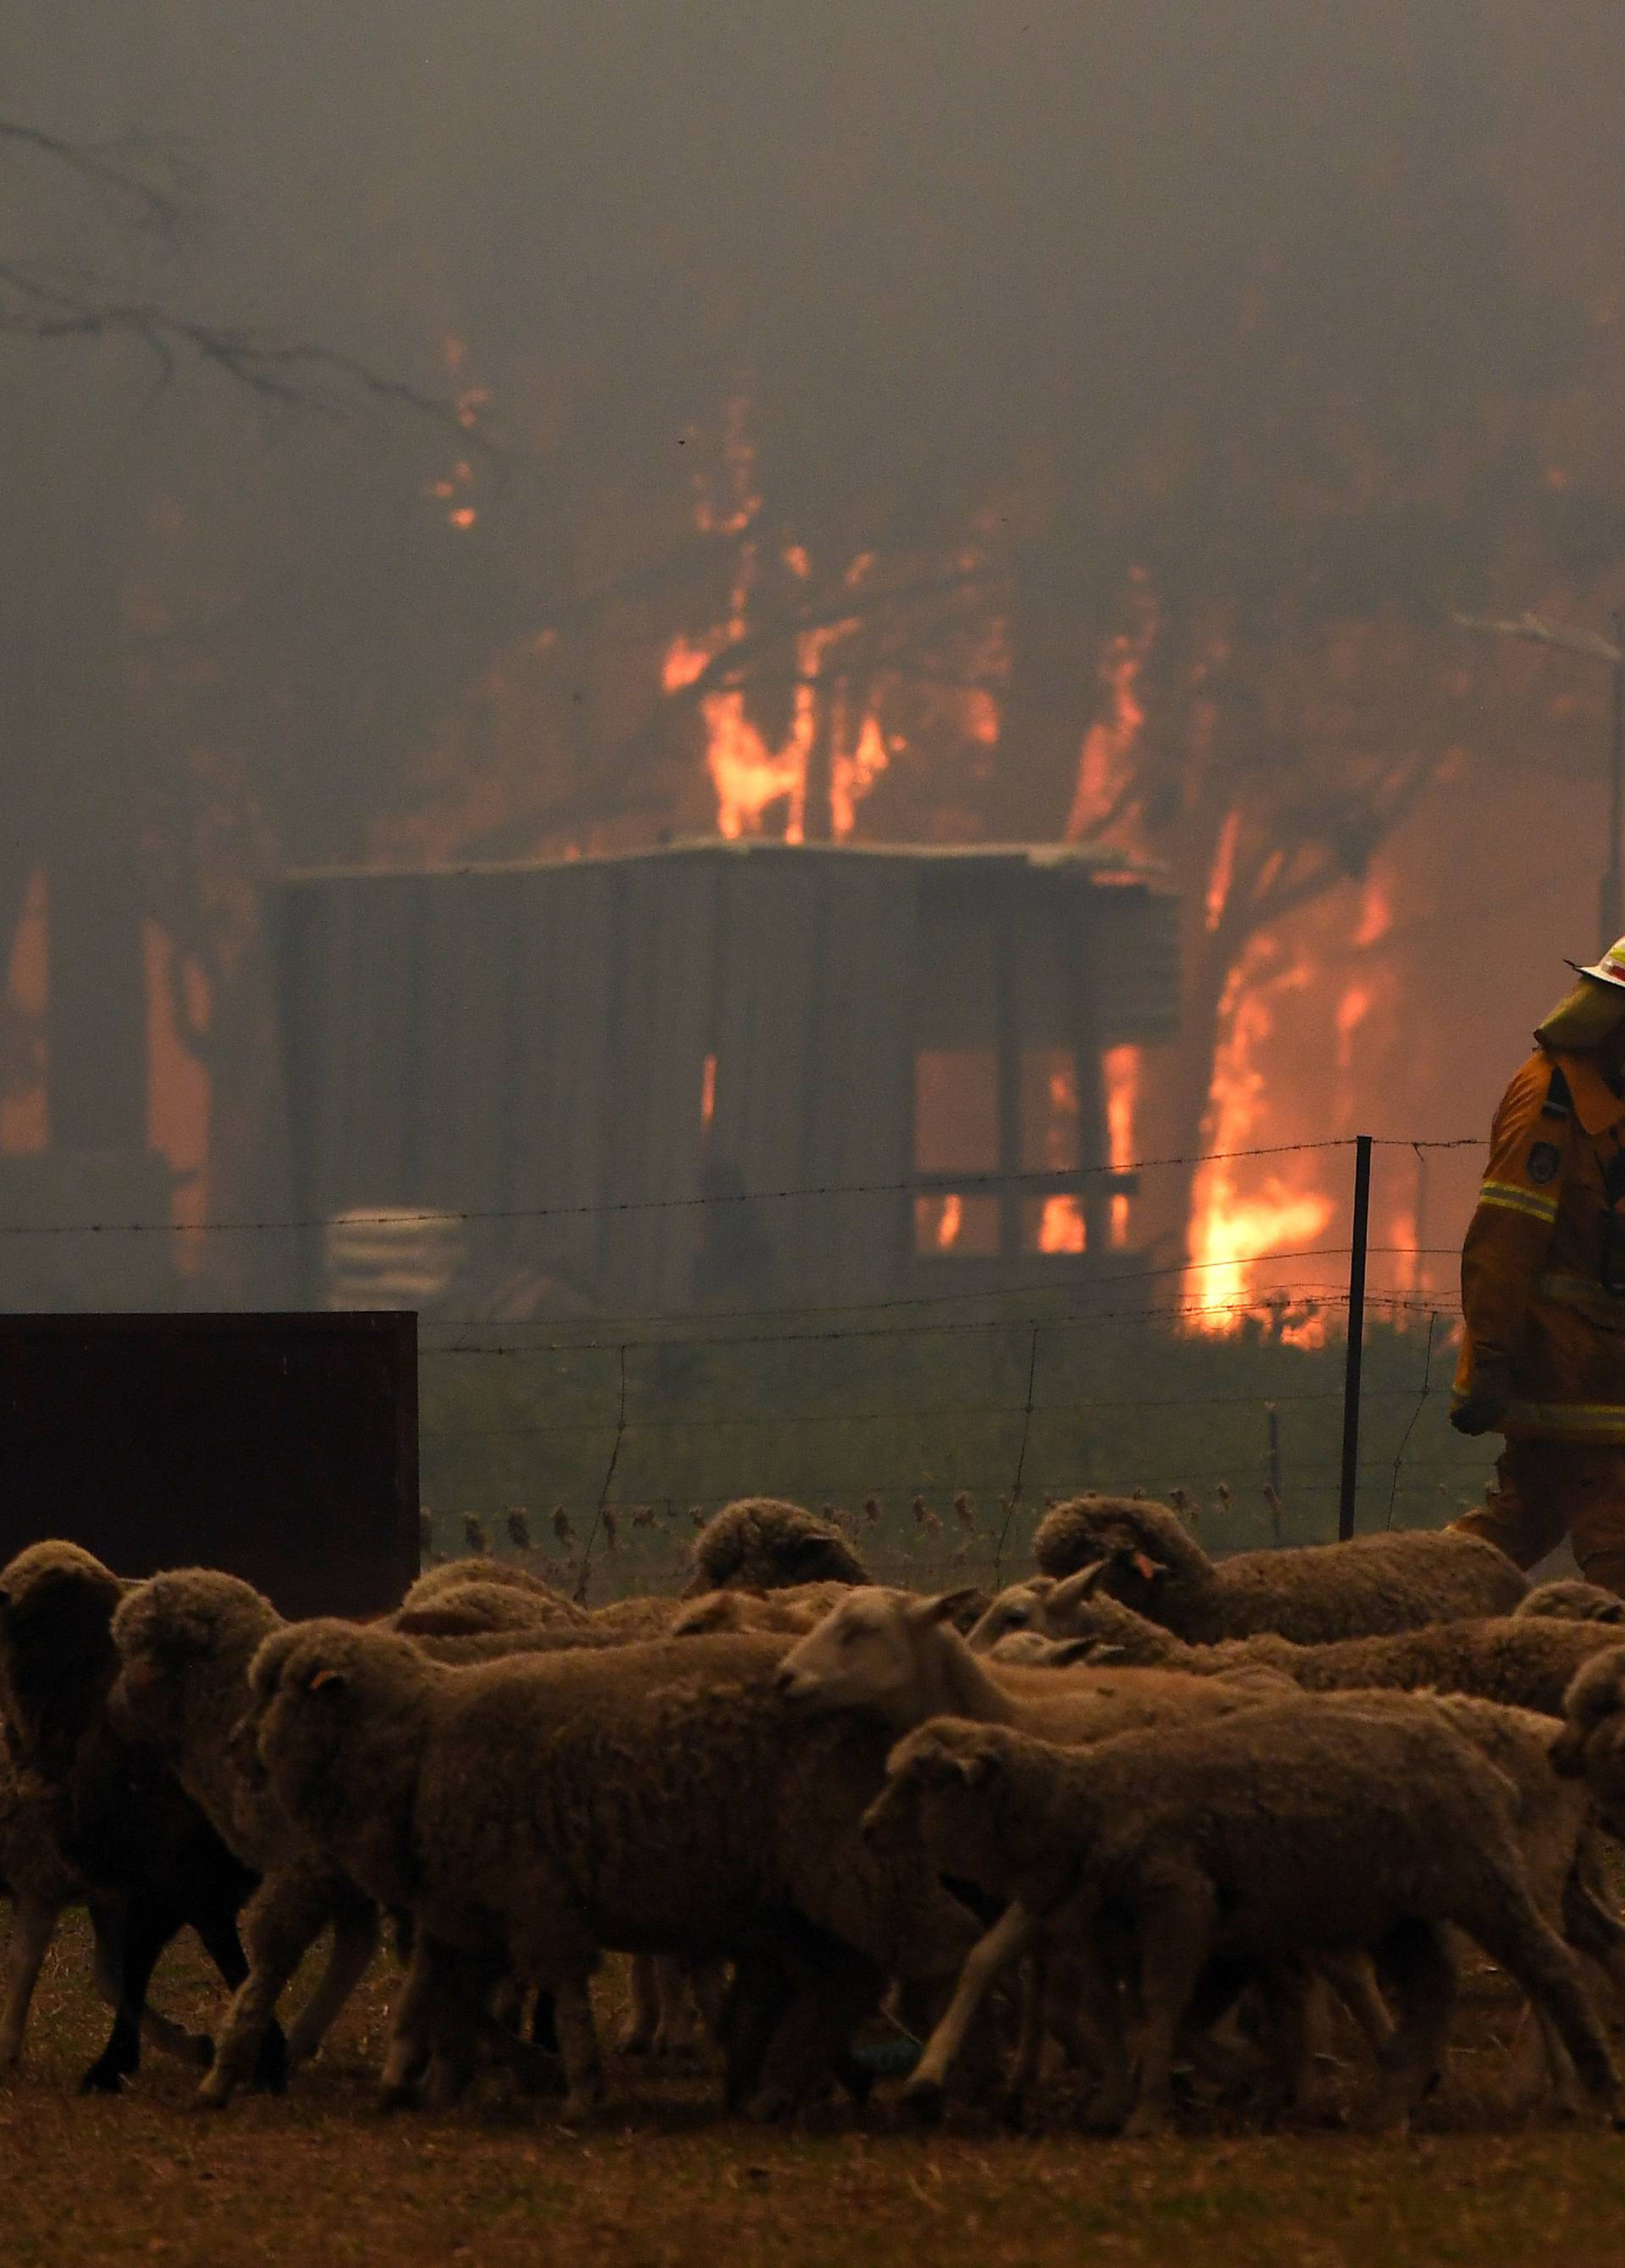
(505, 1040)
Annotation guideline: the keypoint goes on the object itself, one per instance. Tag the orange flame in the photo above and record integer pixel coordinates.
(1123, 1069)
(1103, 760)
(25, 1113)
(1233, 1231)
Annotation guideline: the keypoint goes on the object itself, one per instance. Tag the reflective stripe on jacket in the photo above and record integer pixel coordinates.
(1543, 1266)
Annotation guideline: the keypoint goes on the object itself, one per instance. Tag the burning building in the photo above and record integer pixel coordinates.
(722, 1073)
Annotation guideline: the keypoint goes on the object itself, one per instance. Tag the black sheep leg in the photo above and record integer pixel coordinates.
(150, 1924)
(216, 1924)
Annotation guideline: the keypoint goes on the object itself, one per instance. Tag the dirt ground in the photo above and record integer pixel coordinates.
(322, 2177)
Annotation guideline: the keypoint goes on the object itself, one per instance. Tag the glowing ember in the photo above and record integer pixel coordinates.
(453, 489)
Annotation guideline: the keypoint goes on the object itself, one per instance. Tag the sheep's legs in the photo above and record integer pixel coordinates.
(148, 1925)
(755, 2000)
(107, 1917)
(408, 2048)
(815, 2032)
(1011, 1935)
(218, 1931)
(356, 1933)
(1512, 1932)
(1416, 1961)
(1176, 1935)
(584, 2071)
(637, 2034)
(33, 1926)
(279, 1924)
(1036, 1994)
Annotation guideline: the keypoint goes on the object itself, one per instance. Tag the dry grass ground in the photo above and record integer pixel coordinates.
(322, 2178)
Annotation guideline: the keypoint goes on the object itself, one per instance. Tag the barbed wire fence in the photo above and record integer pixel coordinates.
(936, 1425)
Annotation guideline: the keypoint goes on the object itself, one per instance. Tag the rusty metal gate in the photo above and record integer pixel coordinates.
(280, 1447)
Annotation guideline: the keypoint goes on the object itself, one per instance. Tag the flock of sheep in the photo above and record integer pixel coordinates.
(1164, 1828)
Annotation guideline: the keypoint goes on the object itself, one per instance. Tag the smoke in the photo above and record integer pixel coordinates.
(1292, 320)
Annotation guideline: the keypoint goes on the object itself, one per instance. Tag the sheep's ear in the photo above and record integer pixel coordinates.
(326, 1680)
(1077, 1588)
(946, 1605)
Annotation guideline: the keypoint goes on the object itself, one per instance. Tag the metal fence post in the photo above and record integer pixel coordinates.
(1356, 1335)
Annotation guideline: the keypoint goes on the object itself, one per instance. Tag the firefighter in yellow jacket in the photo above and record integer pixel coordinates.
(1543, 1292)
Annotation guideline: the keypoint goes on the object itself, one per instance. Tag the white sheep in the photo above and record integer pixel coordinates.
(1260, 1839)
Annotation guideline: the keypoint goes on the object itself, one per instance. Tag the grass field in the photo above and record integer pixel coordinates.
(322, 2177)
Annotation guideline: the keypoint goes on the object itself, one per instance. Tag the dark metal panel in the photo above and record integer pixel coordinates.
(779, 919)
(390, 956)
(584, 974)
(280, 1448)
(677, 1019)
(863, 1104)
(1136, 934)
(461, 1077)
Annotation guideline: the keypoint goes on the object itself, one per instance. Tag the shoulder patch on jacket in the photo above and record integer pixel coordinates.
(1545, 1163)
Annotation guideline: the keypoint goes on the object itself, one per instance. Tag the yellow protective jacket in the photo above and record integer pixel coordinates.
(1543, 1266)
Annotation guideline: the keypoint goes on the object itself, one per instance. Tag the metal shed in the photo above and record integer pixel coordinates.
(616, 1065)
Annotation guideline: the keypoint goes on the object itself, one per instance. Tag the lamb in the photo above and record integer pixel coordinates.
(1376, 1583)
(1523, 1662)
(897, 1657)
(1555, 1822)
(759, 1543)
(185, 1640)
(659, 1797)
(1261, 1840)
(123, 1822)
(1574, 1601)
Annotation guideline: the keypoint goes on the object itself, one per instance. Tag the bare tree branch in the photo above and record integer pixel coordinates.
(139, 179)
(1544, 633)
(47, 304)
(149, 187)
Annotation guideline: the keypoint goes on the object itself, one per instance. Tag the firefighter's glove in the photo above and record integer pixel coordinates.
(1482, 1408)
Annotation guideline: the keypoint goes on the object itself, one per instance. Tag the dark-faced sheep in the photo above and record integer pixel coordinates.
(125, 1824)
(1151, 1562)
